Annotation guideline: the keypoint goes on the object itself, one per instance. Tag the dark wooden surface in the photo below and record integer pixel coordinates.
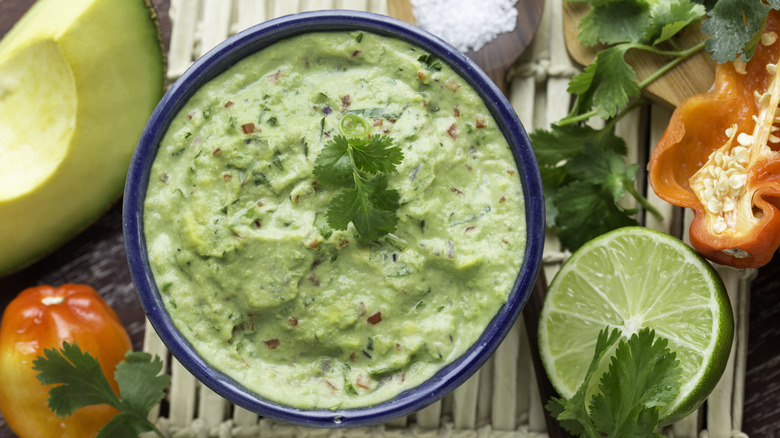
(497, 56)
(96, 257)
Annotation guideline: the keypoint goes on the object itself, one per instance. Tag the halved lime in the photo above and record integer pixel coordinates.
(633, 278)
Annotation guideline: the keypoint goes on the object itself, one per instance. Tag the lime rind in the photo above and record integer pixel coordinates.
(633, 278)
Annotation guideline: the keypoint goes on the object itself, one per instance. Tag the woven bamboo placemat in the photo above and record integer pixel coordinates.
(501, 399)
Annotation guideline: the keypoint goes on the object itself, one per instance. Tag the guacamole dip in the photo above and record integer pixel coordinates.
(244, 257)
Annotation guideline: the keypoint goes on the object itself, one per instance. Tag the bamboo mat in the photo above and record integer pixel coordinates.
(501, 399)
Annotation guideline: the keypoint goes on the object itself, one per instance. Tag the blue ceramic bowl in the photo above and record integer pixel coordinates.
(221, 58)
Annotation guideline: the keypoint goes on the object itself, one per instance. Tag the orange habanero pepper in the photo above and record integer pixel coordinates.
(41, 318)
(720, 157)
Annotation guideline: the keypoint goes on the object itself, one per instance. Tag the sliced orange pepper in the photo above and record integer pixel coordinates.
(44, 317)
(719, 157)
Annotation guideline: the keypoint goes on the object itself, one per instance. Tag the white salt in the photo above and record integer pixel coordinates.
(466, 24)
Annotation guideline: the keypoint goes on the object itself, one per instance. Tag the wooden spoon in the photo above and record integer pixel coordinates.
(693, 76)
(497, 56)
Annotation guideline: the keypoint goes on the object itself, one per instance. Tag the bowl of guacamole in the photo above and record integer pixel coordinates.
(333, 219)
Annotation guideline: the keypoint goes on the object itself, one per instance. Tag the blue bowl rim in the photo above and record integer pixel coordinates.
(218, 60)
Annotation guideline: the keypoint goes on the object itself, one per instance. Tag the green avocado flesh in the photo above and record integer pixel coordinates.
(242, 253)
(78, 80)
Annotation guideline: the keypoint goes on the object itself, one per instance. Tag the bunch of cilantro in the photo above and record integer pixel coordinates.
(584, 172)
(643, 376)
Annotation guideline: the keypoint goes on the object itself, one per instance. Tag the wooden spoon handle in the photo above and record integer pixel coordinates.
(401, 9)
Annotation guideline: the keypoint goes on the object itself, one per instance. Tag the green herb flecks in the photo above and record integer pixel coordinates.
(82, 383)
(430, 62)
(643, 376)
(361, 166)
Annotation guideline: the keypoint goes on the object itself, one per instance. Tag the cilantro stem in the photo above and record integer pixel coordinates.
(610, 124)
(634, 105)
(158, 433)
(679, 57)
(645, 203)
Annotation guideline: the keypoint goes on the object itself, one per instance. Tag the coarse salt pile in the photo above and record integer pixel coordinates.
(466, 24)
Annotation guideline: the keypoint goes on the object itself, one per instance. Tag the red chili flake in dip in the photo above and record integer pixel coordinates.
(481, 121)
(248, 128)
(453, 131)
(362, 382)
(375, 318)
(272, 344)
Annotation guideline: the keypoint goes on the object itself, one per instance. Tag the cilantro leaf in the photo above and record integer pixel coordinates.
(430, 62)
(735, 27)
(613, 22)
(367, 202)
(123, 426)
(370, 206)
(141, 367)
(82, 383)
(636, 21)
(643, 375)
(559, 144)
(669, 18)
(585, 211)
(334, 163)
(376, 155)
(565, 142)
(573, 413)
(606, 170)
(585, 176)
(81, 378)
(606, 84)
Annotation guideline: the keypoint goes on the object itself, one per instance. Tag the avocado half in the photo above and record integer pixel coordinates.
(78, 82)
